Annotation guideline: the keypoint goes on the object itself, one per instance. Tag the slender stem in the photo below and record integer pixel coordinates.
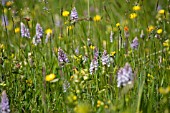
(44, 89)
(5, 23)
(88, 7)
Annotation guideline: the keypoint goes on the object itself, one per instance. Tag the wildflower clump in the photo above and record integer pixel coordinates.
(62, 57)
(4, 105)
(105, 59)
(134, 44)
(74, 14)
(97, 18)
(99, 103)
(150, 78)
(72, 99)
(24, 31)
(125, 75)
(39, 31)
(96, 52)
(39, 34)
(94, 65)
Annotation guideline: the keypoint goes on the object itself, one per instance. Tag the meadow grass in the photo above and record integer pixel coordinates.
(65, 71)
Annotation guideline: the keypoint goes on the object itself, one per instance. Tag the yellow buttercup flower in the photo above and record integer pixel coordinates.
(112, 53)
(159, 31)
(17, 30)
(9, 3)
(164, 90)
(150, 28)
(29, 82)
(50, 77)
(133, 15)
(78, 58)
(136, 8)
(117, 24)
(65, 13)
(166, 43)
(161, 11)
(99, 103)
(97, 18)
(70, 27)
(150, 76)
(48, 31)
(92, 47)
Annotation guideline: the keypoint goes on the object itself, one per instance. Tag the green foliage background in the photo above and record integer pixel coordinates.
(25, 81)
